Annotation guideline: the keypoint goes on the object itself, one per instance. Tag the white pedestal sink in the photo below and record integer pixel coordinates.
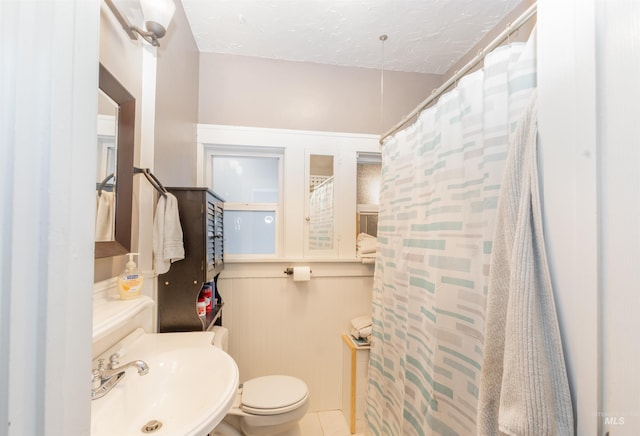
(188, 390)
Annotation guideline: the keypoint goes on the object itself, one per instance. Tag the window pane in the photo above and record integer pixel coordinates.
(321, 216)
(368, 223)
(246, 179)
(320, 202)
(249, 232)
(368, 183)
(368, 192)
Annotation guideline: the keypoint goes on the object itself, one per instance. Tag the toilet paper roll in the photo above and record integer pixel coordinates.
(301, 273)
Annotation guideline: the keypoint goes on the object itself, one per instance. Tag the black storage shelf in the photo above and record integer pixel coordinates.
(201, 216)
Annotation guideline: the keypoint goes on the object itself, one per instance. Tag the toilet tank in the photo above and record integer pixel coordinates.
(221, 338)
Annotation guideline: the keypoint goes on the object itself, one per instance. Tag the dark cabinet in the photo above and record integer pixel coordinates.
(201, 217)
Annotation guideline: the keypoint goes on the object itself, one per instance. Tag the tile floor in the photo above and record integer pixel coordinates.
(330, 423)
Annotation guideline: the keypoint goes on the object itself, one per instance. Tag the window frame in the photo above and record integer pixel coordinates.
(295, 145)
(212, 151)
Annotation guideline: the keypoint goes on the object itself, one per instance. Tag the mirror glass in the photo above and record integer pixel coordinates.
(106, 167)
(116, 130)
(368, 192)
(321, 204)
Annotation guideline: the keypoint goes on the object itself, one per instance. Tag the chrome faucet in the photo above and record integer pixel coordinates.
(104, 379)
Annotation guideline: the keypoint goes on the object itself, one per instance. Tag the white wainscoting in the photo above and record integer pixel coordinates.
(278, 326)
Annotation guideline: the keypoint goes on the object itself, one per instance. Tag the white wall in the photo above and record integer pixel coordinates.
(277, 326)
(588, 109)
(618, 95)
(48, 107)
(567, 114)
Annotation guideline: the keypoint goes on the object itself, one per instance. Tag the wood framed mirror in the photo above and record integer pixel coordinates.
(125, 105)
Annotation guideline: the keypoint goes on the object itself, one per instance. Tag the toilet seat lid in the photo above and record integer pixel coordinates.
(273, 393)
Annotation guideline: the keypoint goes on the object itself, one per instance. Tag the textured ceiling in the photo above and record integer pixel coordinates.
(426, 36)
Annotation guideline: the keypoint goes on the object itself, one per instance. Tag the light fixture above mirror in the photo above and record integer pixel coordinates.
(157, 16)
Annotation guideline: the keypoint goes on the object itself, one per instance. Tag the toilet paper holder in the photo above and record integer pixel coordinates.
(289, 271)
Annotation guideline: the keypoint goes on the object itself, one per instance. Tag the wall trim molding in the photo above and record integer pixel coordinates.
(212, 133)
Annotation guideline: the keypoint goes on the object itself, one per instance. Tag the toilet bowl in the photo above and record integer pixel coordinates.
(264, 406)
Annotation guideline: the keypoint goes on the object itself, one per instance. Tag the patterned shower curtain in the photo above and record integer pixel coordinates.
(440, 183)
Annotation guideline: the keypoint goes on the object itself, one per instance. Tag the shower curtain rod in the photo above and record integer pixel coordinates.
(511, 28)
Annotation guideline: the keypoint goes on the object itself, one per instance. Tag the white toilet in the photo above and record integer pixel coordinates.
(265, 406)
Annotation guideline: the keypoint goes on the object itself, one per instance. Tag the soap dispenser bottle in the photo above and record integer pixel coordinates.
(130, 281)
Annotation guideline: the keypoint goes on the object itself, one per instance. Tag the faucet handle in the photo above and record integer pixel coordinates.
(96, 379)
(113, 360)
(101, 365)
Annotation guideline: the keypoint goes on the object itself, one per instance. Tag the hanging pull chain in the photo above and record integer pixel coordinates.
(383, 38)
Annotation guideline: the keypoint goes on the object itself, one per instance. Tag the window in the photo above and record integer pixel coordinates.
(107, 132)
(249, 182)
(321, 205)
(289, 194)
(368, 192)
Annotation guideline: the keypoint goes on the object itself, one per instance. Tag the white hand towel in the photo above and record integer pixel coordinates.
(368, 258)
(524, 388)
(362, 332)
(105, 216)
(168, 245)
(366, 244)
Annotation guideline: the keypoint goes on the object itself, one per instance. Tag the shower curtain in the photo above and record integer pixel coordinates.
(439, 192)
